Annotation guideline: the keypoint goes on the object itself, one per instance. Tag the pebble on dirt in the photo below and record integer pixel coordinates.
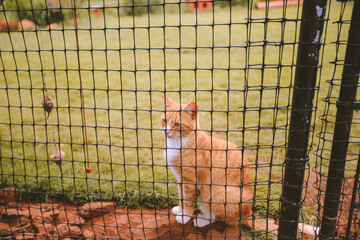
(7, 195)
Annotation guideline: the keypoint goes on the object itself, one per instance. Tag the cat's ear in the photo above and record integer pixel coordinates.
(192, 110)
(167, 101)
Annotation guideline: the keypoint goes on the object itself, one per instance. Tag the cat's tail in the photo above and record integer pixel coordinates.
(308, 229)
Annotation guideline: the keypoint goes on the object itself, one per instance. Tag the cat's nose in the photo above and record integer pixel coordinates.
(168, 133)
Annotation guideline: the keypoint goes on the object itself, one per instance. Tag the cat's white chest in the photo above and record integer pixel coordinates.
(173, 146)
(172, 151)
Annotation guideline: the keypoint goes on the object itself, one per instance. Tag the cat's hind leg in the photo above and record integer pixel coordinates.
(203, 218)
(187, 204)
(178, 209)
(182, 218)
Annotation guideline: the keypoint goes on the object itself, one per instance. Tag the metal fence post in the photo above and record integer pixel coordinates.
(345, 106)
(353, 198)
(311, 30)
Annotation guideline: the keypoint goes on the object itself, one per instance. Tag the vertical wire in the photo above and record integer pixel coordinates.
(340, 206)
(276, 108)
(151, 113)
(81, 84)
(136, 115)
(122, 120)
(290, 87)
(43, 66)
(108, 115)
(181, 147)
(57, 117)
(246, 92)
(107, 110)
(212, 112)
(197, 112)
(84, 126)
(261, 93)
(183, 185)
(228, 91)
(242, 147)
(180, 75)
(165, 108)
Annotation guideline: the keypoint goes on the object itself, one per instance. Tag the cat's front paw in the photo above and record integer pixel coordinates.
(182, 219)
(176, 210)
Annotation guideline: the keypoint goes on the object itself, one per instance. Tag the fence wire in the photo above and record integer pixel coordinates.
(81, 108)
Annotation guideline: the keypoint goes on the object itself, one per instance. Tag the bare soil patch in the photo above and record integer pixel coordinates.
(312, 201)
(99, 220)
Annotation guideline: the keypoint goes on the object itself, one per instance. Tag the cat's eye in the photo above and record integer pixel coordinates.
(177, 124)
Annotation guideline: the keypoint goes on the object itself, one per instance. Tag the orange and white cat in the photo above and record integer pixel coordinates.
(210, 171)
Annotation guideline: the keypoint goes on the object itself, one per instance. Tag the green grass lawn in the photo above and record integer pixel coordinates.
(123, 89)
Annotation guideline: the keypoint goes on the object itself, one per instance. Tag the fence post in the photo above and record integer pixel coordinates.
(353, 198)
(345, 106)
(311, 30)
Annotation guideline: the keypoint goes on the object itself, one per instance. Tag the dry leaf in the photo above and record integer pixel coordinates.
(58, 157)
(48, 103)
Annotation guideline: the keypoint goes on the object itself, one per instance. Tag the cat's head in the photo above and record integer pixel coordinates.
(179, 119)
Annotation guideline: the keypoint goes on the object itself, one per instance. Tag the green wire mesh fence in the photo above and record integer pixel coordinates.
(83, 154)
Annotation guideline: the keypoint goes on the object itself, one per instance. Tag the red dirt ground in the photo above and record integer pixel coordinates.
(24, 220)
(102, 220)
(99, 220)
(312, 201)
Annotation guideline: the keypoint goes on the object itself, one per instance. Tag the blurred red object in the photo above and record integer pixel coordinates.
(96, 9)
(26, 24)
(274, 4)
(58, 157)
(9, 26)
(51, 26)
(3, 25)
(200, 5)
(96, 12)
